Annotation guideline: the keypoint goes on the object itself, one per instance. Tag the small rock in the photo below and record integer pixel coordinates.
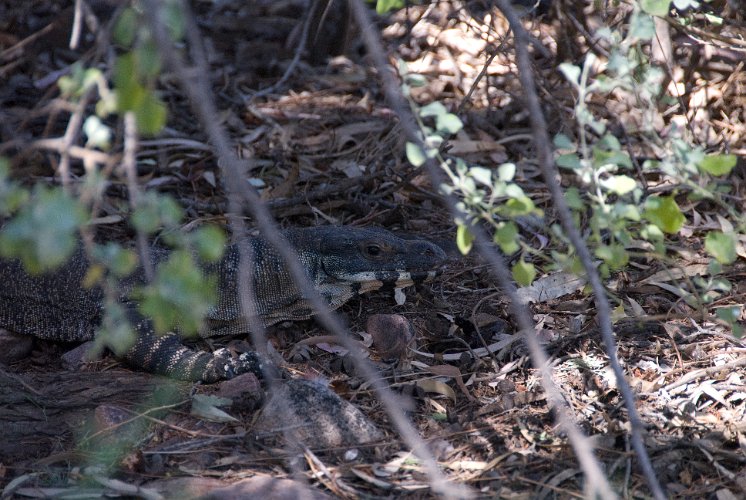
(107, 416)
(74, 359)
(263, 486)
(245, 391)
(312, 413)
(117, 428)
(184, 487)
(391, 334)
(14, 346)
(259, 486)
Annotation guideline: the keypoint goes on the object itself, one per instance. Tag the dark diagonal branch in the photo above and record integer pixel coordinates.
(550, 173)
(195, 84)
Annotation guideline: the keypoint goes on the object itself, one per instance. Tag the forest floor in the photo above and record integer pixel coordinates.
(328, 150)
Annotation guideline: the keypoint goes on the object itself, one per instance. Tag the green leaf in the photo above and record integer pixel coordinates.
(12, 195)
(129, 91)
(116, 332)
(658, 8)
(573, 199)
(641, 26)
(464, 239)
(210, 243)
(72, 84)
(523, 272)
(571, 72)
(433, 141)
(619, 184)
(126, 27)
(448, 123)
(710, 18)
(615, 256)
(150, 114)
(518, 206)
(433, 109)
(619, 158)
(148, 61)
(156, 211)
(570, 160)
(122, 262)
(627, 211)
(664, 213)
(107, 105)
(722, 246)
(79, 80)
(384, 6)
(415, 155)
(737, 330)
(610, 143)
(718, 164)
(179, 297)
(91, 76)
(506, 172)
(652, 233)
(729, 314)
(507, 237)
(416, 80)
(174, 19)
(563, 142)
(44, 232)
(481, 175)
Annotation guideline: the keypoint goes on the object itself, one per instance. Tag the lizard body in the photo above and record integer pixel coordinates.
(341, 262)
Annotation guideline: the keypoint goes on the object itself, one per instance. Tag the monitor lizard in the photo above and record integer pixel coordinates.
(341, 262)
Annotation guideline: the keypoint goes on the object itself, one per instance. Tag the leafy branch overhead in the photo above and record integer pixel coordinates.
(45, 221)
(614, 189)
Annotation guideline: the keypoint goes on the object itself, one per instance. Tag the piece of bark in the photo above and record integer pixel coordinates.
(13, 346)
(40, 412)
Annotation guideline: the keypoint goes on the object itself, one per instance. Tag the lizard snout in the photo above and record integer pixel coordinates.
(429, 255)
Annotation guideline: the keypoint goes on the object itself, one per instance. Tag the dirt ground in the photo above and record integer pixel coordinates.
(328, 150)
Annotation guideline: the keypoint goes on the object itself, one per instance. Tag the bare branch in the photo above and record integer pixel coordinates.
(196, 87)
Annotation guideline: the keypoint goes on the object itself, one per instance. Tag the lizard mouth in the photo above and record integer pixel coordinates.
(373, 280)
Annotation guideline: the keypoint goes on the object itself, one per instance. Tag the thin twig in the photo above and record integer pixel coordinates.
(478, 79)
(704, 372)
(78, 152)
(77, 25)
(71, 136)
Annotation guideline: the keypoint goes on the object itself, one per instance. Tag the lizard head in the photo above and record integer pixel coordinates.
(371, 258)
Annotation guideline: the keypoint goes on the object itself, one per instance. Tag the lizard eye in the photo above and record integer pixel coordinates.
(373, 250)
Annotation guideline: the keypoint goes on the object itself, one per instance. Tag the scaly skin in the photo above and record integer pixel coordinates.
(341, 262)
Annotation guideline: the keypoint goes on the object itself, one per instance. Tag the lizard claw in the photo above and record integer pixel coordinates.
(229, 365)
